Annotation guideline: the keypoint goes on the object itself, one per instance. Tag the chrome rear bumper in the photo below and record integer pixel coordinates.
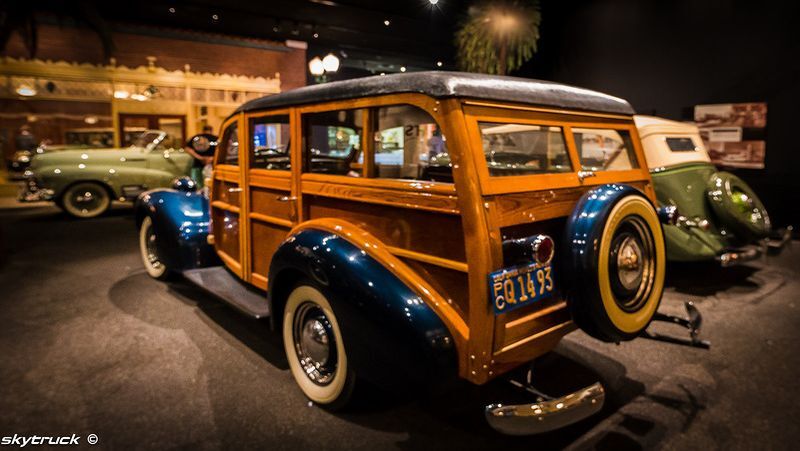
(738, 256)
(527, 419)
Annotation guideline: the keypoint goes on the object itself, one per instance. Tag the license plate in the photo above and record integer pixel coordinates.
(512, 288)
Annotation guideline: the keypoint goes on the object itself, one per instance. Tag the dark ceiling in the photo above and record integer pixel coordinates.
(418, 35)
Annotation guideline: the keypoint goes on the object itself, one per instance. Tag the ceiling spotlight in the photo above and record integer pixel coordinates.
(172, 10)
(316, 67)
(433, 2)
(330, 63)
(26, 90)
(215, 17)
(402, 68)
(316, 35)
(387, 22)
(439, 64)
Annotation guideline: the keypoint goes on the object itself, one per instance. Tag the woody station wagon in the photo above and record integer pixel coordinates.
(417, 227)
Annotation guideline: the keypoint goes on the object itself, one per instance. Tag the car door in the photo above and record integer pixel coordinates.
(226, 200)
(271, 206)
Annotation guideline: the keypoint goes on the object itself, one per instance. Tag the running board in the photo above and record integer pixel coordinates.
(220, 282)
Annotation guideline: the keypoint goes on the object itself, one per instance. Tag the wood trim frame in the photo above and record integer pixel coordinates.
(476, 112)
(381, 253)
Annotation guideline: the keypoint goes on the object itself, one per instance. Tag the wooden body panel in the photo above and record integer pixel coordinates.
(441, 239)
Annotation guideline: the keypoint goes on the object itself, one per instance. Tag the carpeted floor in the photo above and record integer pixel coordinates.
(89, 344)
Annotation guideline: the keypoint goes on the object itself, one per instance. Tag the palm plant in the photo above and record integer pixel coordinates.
(498, 36)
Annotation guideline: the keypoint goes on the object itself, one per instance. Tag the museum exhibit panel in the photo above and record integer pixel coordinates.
(428, 224)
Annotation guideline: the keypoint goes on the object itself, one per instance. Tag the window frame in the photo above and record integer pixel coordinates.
(222, 150)
(424, 102)
(476, 112)
(251, 121)
(638, 161)
(374, 116)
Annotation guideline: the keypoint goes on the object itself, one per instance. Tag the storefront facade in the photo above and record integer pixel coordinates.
(157, 79)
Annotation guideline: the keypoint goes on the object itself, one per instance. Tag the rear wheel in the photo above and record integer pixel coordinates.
(149, 250)
(315, 349)
(85, 200)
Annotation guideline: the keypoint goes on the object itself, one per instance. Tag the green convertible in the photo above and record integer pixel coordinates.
(719, 217)
(83, 182)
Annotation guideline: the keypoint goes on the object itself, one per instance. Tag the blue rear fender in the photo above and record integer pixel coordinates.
(390, 333)
(181, 224)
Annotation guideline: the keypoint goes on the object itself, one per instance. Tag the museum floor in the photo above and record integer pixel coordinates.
(90, 344)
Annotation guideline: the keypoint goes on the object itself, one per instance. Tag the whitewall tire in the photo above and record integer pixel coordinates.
(147, 245)
(315, 349)
(86, 200)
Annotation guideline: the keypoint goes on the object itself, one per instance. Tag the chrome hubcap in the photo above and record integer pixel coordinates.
(152, 253)
(632, 264)
(629, 264)
(315, 343)
(87, 200)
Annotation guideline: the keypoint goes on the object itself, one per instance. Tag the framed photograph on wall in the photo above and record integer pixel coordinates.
(734, 133)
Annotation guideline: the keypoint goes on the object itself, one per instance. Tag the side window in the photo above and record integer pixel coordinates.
(409, 144)
(604, 149)
(332, 142)
(681, 144)
(270, 144)
(230, 142)
(524, 149)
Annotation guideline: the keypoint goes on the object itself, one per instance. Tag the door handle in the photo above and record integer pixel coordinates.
(585, 175)
(286, 198)
(234, 190)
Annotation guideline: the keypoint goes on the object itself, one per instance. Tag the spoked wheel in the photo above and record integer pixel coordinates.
(86, 200)
(149, 250)
(314, 348)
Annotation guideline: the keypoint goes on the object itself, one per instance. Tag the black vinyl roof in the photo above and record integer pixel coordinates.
(440, 84)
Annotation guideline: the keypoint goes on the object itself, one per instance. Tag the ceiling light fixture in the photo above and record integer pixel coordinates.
(172, 10)
(387, 22)
(433, 2)
(402, 68)
(330, 63)
(439, 64)
(316, 67)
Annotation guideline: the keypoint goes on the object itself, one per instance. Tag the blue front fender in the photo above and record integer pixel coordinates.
(390, 334)
(181, 224)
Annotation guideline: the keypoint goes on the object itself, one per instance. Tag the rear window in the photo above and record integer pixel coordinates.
(524, 149)
(604, 149)
(681, 144)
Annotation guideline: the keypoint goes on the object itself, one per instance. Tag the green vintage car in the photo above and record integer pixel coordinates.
(83, 182)
(719, 217)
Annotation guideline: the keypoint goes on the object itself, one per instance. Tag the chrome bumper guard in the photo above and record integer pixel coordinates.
(35, 196)
(780, 238)
(548, 415)
(738, 256)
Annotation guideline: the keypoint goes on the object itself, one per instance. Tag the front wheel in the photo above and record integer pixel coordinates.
(148, 246)
(85, 200)
(315, 348)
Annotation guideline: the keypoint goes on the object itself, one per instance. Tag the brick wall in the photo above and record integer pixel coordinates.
(173, 52)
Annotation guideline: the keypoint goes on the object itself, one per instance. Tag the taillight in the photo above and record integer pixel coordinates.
(543, 249)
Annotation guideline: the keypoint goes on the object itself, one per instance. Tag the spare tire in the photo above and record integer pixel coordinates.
(616, 263)
(737, 207)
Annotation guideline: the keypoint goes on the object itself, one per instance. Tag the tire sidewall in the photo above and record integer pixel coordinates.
(160, 273)
(74, 211)
(336, 393)
(619, 323)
